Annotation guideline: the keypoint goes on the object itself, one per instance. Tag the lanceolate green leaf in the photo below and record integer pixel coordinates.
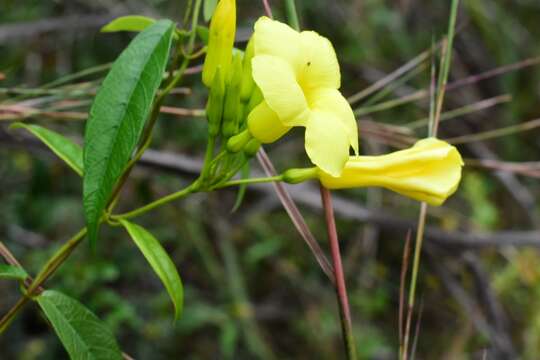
(118, 116)
(83, 335)
(209, 7)
(128, 23)
(64, 148)
(160, 262)
(12, 272)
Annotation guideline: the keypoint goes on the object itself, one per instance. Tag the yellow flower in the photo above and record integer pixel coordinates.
(220, 41)
(298, 75)
(429, 171)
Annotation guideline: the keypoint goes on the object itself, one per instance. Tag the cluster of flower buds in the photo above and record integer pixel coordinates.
(227, 72)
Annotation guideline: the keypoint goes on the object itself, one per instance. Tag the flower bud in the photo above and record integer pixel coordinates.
(214, 107)
(238, 142)
(247, 77)
(255, 99)
(221, 40)
(252, 147)
(296, 176)
(232, 99)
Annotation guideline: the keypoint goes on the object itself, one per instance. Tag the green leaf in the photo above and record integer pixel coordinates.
(118, 116)
(128, 23)
(160, 262)
(12, 272)
(208, 10)
(64, 148)
(242, 189)
(83, 335)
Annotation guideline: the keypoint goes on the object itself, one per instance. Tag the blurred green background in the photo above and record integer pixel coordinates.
(253, 289)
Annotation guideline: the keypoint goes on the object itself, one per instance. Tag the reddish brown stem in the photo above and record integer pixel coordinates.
(341, 289)
(267, 9)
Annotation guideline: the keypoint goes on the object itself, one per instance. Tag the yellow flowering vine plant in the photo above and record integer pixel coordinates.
(283, 79)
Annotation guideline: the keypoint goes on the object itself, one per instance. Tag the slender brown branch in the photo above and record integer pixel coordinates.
(341, 288)
(296, 216)
(8, 256)
(267, 9)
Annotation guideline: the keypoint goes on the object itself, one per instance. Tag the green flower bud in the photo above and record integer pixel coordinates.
(252, 147)
(247, 78)
(296, 176)
(255, 99)
(214, 107)
(238, 142)
(232, 99)
(220, 41)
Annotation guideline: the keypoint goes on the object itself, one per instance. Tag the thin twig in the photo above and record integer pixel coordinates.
(341, 288)
(267, 9)
(296, 216)
(8, 256)
(496, 133)
(403, 278)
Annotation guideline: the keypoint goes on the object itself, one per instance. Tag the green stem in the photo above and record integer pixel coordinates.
(250, 181)
(193, 188)
(159, 202)
(414, 276)
(292, 15)
(209, 154)
(433, 127)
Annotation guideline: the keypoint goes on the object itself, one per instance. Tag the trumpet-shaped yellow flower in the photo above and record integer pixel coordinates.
(298, 75)
(429, 171)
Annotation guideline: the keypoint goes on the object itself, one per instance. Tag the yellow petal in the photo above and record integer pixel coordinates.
(429, 171)
(264, 125)
(327, 143)
(319, 67)
(331, 100)
(277, 81)
(276, 39)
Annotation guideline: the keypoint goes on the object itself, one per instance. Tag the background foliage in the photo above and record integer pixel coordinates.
(252, 288)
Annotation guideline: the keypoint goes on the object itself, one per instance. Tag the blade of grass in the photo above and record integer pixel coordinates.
(445, 68)
(417, 330)
(403, 279)
(414, 276)
(441, 88)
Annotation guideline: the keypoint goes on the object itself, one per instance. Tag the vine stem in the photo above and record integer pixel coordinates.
(159, 202)
(193, 188)
(341, 289)
(251, 181)
(46, 272)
